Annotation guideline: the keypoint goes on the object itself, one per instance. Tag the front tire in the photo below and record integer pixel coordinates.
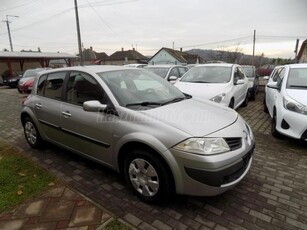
(274, 131)
(245, 102)
(31, 133)
(147, 176)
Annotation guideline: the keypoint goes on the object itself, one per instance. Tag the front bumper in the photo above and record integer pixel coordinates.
(292, 124)
(211, 175)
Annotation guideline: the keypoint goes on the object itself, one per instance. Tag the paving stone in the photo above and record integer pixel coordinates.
(135, 221)
(275, 187)
(86, 215)
(56, 211)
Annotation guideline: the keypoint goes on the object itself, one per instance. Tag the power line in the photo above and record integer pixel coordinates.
(18, 6)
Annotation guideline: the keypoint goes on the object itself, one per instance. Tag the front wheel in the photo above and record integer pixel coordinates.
(31, 133)
(274, 131)
(147, 176)
(245, 102)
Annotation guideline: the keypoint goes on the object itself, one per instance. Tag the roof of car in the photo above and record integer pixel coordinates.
(216, 64)
(161, 66)
(301, 65)
(92, 68)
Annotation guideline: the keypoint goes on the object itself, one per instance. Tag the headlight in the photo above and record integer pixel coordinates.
(294, 106)
(203, 146)
(218, 98)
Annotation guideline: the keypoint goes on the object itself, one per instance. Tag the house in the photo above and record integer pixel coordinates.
(176, 57)
(302, 54)
(126, 57)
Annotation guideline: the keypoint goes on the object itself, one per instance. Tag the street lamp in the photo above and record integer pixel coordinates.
(8, 28)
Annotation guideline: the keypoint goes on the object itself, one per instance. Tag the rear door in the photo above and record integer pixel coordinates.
(48, 103)
(240, 90)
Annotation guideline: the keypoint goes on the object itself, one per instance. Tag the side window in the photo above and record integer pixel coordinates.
(54, 85)
(82, 87)
(280, 77)
(182, 71)
(241, 73)
(174, 72)
(276, 74)
(40, 85)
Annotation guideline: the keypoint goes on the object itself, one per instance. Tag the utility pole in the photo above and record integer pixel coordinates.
(254, 43)
(79, 34)
(8, 29)
(296, 50)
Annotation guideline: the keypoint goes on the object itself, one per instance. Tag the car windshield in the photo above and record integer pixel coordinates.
(248, 72)
(31, 73)
(139, 88)
(297, 78)
(160, 71)
(208, 74)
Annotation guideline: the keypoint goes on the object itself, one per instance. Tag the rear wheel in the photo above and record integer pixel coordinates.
(147, 176)
(265, 108)
(31, 133)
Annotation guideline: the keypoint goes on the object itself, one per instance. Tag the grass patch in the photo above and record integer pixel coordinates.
(116, 225)
(20, 178)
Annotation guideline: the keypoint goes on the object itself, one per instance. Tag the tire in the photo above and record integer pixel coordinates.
(19, 90)
(31, 133)
(265, 108)
(253, 95)
(153, 188)
(274, 131)
(245, 102)
(231, 103)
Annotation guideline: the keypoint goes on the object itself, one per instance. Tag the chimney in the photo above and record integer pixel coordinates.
(133, 49)
(180, 49)
(122, 49)
(91, 48)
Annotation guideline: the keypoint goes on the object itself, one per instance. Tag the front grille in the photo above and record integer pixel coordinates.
(234, 143)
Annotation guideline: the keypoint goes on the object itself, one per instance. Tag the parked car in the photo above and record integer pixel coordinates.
(253, 81)
(265, 70)
(286, 101)
(26, 81)
(272, 78)
(222, 83)
(136, 123)
(169, 72)
(10, 79)
(136, 65)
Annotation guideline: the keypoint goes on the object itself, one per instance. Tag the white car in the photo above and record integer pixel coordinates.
(169, 72)
(222, 83)
(286, 101)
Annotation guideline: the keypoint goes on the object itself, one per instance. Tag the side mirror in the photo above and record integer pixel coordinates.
(273, 85)
(172, 78)
(93, 106)
(266, 78)
(239, 82)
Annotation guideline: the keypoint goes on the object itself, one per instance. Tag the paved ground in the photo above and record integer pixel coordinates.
(272, 196)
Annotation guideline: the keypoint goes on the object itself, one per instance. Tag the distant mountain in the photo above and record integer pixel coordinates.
(230, 57)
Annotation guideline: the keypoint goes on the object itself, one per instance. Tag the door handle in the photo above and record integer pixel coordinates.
(66, 114)
(38, 105)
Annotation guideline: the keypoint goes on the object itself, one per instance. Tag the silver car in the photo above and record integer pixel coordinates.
(131, 120)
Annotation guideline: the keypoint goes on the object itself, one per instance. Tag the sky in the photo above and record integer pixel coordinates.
(148, 25)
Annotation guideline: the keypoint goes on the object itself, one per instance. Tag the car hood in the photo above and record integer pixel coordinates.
(201, 90)
(194, 117)
(300, 95)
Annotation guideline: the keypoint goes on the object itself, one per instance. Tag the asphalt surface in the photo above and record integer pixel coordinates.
(272, 196)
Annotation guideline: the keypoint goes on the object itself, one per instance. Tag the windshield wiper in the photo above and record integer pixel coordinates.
(144, 103)
(200, 82)
(176, 99)
(299, 86)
